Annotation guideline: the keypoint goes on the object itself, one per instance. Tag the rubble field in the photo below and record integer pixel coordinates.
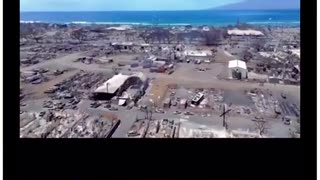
(185, 78)
(45, 52)
(66, 124)
(250, 103)
(177, 128)
(66, 90)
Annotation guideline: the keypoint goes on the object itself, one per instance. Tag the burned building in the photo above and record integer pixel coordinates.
(125, 46)
(183, 104)
(167, 103)
(196, 100)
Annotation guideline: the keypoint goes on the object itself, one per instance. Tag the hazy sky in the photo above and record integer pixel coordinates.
(114, 5)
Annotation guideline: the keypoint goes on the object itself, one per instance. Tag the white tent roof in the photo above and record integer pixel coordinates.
(117, 81)
(140, 75)
(113, 84)
(237, 64)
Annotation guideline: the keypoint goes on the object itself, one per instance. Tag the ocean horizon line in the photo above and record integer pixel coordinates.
(274, 24)
(160, 10)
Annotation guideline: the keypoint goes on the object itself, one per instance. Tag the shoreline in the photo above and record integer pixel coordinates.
(295, 24)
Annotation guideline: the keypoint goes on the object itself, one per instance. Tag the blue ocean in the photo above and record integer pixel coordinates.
(167, 18)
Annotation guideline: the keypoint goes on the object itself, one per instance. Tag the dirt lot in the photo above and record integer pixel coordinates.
(223, 57)
(159, 89)
(190, 70)
(123, 58)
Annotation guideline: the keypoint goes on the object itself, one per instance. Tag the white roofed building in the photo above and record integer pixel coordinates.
(237, 69)
(248, 32)
(117, 84)
(194, 53)
(120, 28)
(199, 54)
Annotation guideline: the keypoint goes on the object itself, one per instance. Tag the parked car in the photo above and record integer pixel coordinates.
(286, 120)
(42, 113)
(188, 113)
(76, 101)
(143, 107)
(171, 71)
(107, 106)
(159, 111)
(74, 107)
(38, 81)
(174, 103)
(94, 105)
(113, 109)
(51, 90)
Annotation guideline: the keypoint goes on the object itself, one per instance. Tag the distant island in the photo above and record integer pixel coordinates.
(262, 5)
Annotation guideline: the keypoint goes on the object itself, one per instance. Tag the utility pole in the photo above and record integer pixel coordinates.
(147, 113)
(224, 122)
(150, 113)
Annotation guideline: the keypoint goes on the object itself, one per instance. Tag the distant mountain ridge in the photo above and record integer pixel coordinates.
(261, 5)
